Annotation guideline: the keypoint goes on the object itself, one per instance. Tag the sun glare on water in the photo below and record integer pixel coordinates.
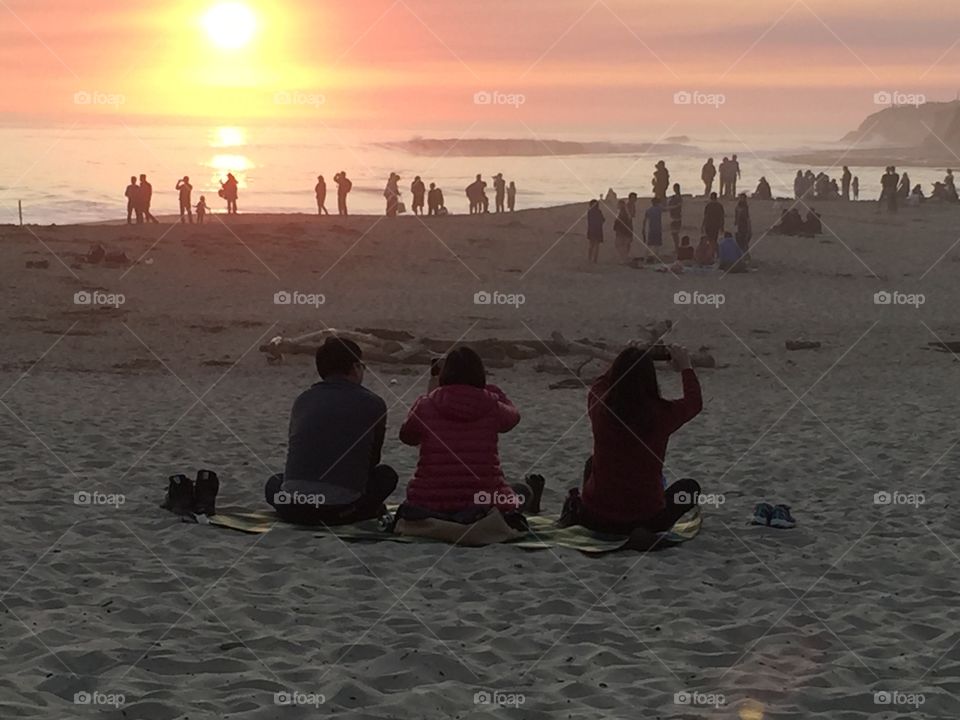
(230, 25)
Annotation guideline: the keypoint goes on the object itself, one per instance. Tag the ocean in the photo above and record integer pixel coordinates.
(73, 174)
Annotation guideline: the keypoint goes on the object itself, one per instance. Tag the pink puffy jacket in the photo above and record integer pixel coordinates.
(456, 428)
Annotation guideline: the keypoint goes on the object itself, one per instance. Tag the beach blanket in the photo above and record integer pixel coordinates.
(489, 530)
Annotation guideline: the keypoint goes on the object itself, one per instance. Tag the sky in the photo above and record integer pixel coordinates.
(592, 68)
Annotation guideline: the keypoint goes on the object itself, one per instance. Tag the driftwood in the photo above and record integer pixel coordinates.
(802, 345)
(949, 346)
(558, 355)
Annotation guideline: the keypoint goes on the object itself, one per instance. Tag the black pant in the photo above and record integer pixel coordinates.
(680, 497)
(382, 482)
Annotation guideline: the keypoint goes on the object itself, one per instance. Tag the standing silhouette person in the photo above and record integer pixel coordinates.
(845, 180)
(132, 194)
(146, 197)
(474, 194)
(344, 186)
(512, 196)
(724, 173)
(500, 192)
(595, 221)
(707, 174)
(321, 192)
(661, 181)
(392, 194)
(713, 222)
(229, 191)
(734, 176)
(675, 206)
(186, 206)
(419, 191)
(855, 187)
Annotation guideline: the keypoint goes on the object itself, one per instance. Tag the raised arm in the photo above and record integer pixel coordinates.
(508, 417)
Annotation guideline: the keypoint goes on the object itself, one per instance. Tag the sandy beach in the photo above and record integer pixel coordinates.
(161, 372)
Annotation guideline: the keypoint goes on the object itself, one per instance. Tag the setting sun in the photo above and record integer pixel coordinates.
(230, 25)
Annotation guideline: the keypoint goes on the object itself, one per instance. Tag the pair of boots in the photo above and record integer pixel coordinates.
(185, 497)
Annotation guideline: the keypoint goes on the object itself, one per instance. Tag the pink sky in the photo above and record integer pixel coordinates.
(592, 66)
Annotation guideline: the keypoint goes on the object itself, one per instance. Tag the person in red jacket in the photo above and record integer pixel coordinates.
(457, 427)
(623, 487)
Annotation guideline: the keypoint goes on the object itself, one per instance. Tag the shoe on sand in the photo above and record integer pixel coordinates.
(536, 483)
(180, 497)
(762, 514)
(781, 518)
(205, 493)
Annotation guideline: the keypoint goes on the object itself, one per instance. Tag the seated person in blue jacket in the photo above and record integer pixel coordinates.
(333, 474)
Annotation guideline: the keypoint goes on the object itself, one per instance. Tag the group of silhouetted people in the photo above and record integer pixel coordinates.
(729, 172)
(335, 475)
(505, 195)
(139, 197)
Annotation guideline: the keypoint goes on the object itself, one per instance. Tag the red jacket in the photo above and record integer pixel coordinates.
(457, 428)
(625, 485)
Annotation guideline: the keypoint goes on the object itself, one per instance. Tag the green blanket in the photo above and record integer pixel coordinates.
(543, 533)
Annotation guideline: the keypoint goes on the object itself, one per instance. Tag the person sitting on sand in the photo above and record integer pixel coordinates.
(763, 191)
(790, 223)
(705, 254)
(812, 225)
(730, 255)
(333, 474)
(457, 427)
(623, 232)
(201, 210)
(595, 221)
(685, 251)
(623, 485)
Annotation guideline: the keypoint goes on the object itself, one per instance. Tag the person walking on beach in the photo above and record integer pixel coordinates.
(512, 196)
(500, 192)
(230, 191)
(623, 232)
(186, 205)
(713, 222)
(146, 197)
(320, 191)
(344, 186)
(651, 231)
(333, 473)
(623, 483)
(675, 207)
(132, 194)
(707, 174)
(595, 221)
(661, 181)
(392, 194)
(845, 180)
(418, 191)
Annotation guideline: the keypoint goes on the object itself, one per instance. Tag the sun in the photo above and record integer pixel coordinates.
(230, 25)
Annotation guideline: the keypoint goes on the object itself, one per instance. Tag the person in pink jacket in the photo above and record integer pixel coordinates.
(457, 428)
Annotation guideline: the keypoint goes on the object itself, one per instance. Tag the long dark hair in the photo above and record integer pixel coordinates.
(633, 394)
(463, 367)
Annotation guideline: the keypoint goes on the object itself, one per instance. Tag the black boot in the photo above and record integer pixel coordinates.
(205, 496)
(180, 497)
